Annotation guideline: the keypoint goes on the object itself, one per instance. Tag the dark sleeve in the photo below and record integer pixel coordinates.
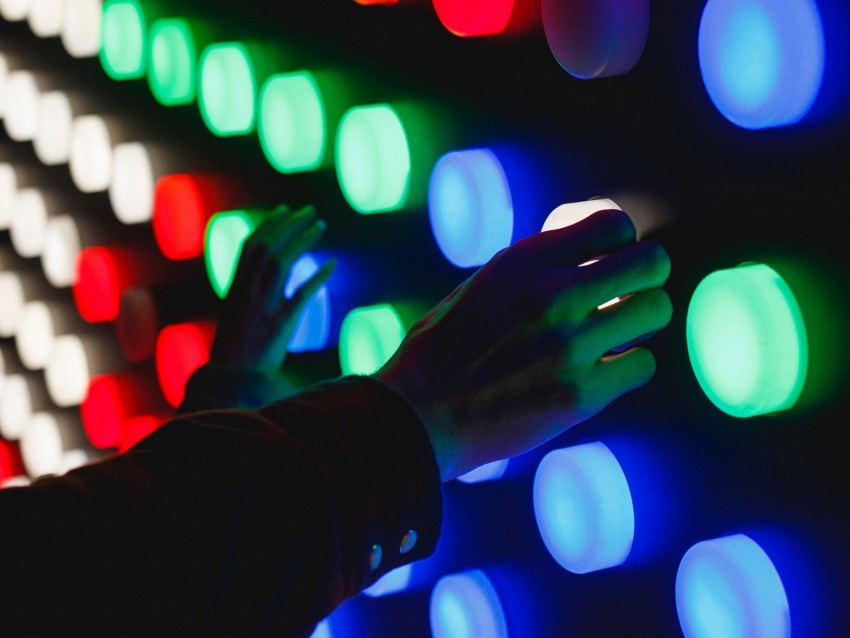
(226, 523)
(216, 386)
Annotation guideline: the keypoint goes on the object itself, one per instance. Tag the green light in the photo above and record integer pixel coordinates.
(292, 124)
(225, 235)
(368, 338)
(373, 159)
(228, 89)
(123, 39)
(747, 341)
(173, 61)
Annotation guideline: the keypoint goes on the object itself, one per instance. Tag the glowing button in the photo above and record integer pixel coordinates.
(465, 606)
(584, 509)
(762, 61)
(470, 207)
(475, 17)
(123, 39)
(228, 89)
(747, 341)
(174, 59)
(180, 350)
(729, 588)
(373, 159)
(487, 472)
(390, 583)
(368, 338)
(225, 235)
(313, 327)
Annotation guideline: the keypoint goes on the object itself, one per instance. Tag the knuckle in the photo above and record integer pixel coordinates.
(617, 224)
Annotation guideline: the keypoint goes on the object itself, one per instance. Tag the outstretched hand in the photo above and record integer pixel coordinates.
(258, 321)
(521, 351)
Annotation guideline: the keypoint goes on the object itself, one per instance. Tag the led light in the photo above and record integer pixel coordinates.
(228, 89)
(20, 400)
(487, 472)
(747, 341)
(21, 106)
(34, 338)
(375, 2)
(14, 10)
(110, 401)
(323, 630)
(762, 61)
(134, 176)
(11, 464)
(173, 61)
(61, 248)
(12, 294)
(391, 583)
(225, 235)
(45, 442)
(81, 28)
(29, 222)
(584, 509)
(368, 337)
(292, 126)
(592, 39)
(180, 350)
(90, 157)
(475, 17)
(570, 214)
(465, 605)
(123, 39)
(137, 428)
(183, 205)
(728, 587)
(314, 325)
(72, 459)
(470, 207)
(373, 159)
(74, 360)
(102, 275)
(46, 17)
(52, 141)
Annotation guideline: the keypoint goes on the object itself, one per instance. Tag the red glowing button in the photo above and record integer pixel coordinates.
(468, 18)
(11, 463)
(181, 349)
(138, 428)
(183, 204)
(102, 275)
(371, 2)
(112, 400)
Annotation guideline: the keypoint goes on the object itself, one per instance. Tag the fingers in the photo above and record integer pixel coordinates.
(285, 257)
(281, 227)
(614, 376)
(309, 289)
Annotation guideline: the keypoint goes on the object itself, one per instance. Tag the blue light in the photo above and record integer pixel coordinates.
(487, 472)
(729, 588)
(466, 606)
(762, 61)
(469, 202)
(584, 509)
(323, 630)
(391, 583)
(313, 327)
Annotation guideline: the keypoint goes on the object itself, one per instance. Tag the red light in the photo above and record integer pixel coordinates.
(11, 463)
(102, 275)
(139, 427)
(468, 18)
(181, 349)
(137, 325)
(183, 204)
(371, 2)
(111, 400)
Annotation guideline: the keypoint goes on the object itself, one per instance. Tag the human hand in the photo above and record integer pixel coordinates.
(258, 321)
(518, 352)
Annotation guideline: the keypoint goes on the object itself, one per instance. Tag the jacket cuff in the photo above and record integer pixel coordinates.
(215, 386)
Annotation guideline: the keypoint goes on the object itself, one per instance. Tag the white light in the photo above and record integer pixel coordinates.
(45, 442)
(16, 407)
(21, 105)
(34, 337)
(46, 17)
(15, 481)
(29, 222)
(74, 359)
(12, 295)
(52, 141)
(8, 193)
(134, 176)
(91, 154)
(466, 605)
(14, 10)
(81, 28)
(73, 459)
(569, 214)
(61, 247)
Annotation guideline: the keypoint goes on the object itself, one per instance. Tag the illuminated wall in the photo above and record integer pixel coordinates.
(142, 141)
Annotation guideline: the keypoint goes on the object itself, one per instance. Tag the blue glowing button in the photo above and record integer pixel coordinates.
(469, 202)
(391, 583)
(314, 325)
(584, 508)
(487, 472)
(323, 630)
(465, 606)
(729, 588)
(762, 61)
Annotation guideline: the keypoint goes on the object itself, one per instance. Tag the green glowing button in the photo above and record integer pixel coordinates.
(228, 89)
(373, 159)
(173, 61)
(291, 124)
(123, 32)
(225, 235)
(368, 338)
(747, 341)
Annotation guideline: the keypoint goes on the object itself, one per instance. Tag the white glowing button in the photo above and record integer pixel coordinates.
(467, 606)
(14, 10)
(67, 373)
(42, 448)
(12, 295)
(391, 583)
(29, 223)
(21, 106)
(8, 193)
(91, 154)
(72, 459)
(52, 141)
(46, 17)
(487, 472)
(569, 214)
(16, 407)
(81, 28)
(133, 181)
(61, 247)
(34, 338)
(584, 509)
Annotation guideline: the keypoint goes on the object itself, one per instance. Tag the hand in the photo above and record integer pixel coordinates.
(257, 321)
(520, 352)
